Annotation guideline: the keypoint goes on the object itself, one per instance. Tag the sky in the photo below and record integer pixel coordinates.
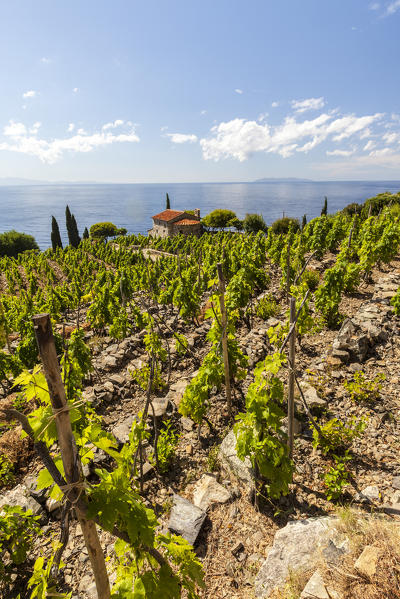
(184, 91)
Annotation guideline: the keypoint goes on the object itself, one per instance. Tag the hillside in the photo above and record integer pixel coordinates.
(140, 328)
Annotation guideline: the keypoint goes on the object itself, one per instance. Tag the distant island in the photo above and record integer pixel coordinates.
(283, 180)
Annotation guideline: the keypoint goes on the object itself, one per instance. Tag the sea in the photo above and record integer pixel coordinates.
(29, 208)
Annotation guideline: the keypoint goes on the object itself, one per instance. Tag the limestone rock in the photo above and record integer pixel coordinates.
(122, 429)
(311, 396)
(208, 491)
(229, 459)
(297, 546)
(315, 588)
(371, 493)
(158, 407)
(186, 519)
(20, 495)
(368, 561)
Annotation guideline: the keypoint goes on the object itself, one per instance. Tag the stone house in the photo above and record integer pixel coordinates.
(172, 222)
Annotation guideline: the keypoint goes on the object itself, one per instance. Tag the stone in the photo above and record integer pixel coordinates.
(208, 491)
(229, 459)
(158, 407)
(368, 561)
(108, 386)
(315, 588)
(187, 424)
(122, 429)
(186, 519)
(341, 355)
(177, 391)
(396, 482)
(311, 396)
(20, 495)
(117, 379)
(371, 493)
(355, 367)
(297, 546)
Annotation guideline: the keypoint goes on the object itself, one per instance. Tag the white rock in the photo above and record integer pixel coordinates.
(208, 491)
(229, 459)
(315, 588)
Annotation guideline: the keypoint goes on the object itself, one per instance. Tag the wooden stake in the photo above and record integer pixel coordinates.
(292, 354)
(224, 338)
(288, 271)
(69, 451)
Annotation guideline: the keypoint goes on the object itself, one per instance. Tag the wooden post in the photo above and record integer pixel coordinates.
(288, 270)
(69, 451)
(292, 354)
(224, 337)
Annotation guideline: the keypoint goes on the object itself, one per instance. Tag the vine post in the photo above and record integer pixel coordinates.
(288, 270)
(224, 337)
(291, 382)
(69, 452)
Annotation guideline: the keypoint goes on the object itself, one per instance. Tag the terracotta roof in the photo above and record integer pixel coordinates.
(168, 215)
(187, 221)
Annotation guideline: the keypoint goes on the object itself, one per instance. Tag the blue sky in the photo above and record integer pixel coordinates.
(178, 90)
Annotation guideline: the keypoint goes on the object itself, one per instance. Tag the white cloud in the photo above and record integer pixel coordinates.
(238, 91)
(374, 6)
(240, 138)
(369, 145)
(203, 112)
(75, 90)
(275, 104)
(308, 104)
(35, 128)
(71, 127)
(45, 60)
(19, 140)
(392, 7)
(181, 138)
(14, 129)
(81, 132)
(391, 138)
(114, 125)
(164, 128)
(340, 152)
(29, 94)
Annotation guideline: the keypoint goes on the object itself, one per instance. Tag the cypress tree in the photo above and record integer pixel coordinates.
(324, 210)
(55, 235)
(85, 234)
(77, 239)
(303, 224)
(168, 206)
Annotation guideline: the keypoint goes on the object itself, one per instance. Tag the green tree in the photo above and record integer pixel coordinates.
(72, 229)
(304, 222)
(253, 223)
(219, 219)
(168, 203)
(13, 243)
(103, 230)
(236, 223)
(282, 225)
(85, 234)
(55, 234)
(324, 210)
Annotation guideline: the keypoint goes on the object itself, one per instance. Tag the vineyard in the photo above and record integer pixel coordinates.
(166, 405)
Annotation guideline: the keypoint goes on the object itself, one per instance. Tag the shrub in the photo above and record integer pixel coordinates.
(253, 223)
(360, 389)
(336, 478)
(282, 225)
(337, 436)
(17, 532)
(352, 209)
(13, 243)
(267, 307)
(167, 443)
(219, 219)
(311, 278)
(6, 471)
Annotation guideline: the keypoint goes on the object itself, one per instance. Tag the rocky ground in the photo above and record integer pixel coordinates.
(206, 496)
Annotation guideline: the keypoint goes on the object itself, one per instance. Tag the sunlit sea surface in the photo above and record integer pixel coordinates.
(29, 208)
